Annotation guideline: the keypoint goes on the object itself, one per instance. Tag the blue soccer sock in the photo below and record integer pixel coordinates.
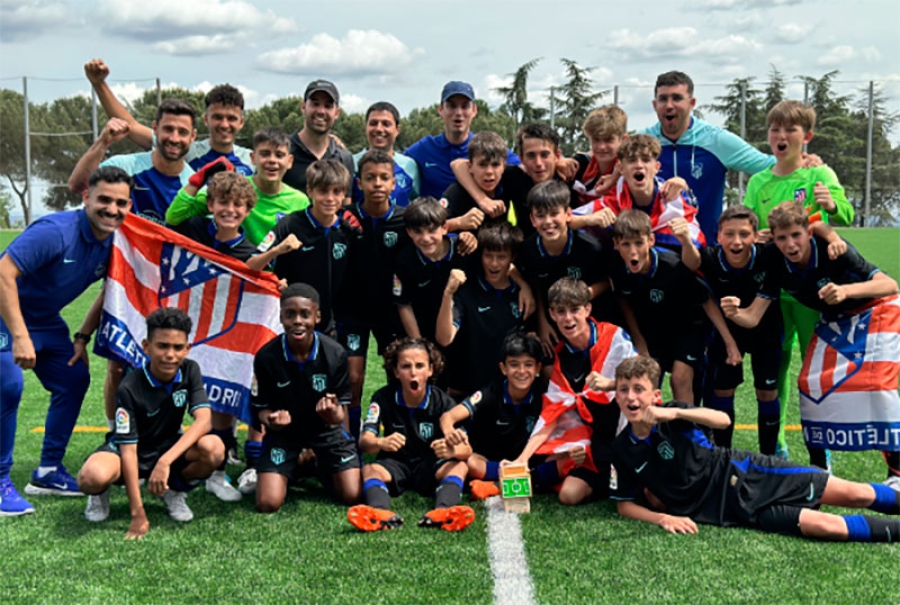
(769, 423)
(448, 492)
(376, 494)
(252, 452)
(863, 528)
(545, 475)
(491, 471)
(723, 437)
(887, 499)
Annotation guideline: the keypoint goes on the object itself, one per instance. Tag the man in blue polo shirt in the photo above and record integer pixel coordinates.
(44, 269)
(382, 128)
(433, 154)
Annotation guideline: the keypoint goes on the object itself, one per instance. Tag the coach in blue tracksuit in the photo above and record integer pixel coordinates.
(44, 269)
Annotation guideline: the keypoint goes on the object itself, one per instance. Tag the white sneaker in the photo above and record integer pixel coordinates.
(97, 508)
(219, 484)
(893, 481)
(247, 481)
(176, 503)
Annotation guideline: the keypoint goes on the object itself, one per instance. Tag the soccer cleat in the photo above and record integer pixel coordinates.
(57, 482)
(455, 518)
(367, 518)
(247, 482)
(11, 503)
(97, 508)
(176, 503)
(893, 482)
(482, 490)
(219, 484)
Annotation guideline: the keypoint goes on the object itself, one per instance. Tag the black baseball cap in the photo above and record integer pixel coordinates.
(322, 86)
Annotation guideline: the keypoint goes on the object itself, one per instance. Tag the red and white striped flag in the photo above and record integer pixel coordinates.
(848, 384)
(234, 310)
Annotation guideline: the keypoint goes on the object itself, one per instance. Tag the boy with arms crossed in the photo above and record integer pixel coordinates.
(664, 455)
(148, 442)
(301, 396)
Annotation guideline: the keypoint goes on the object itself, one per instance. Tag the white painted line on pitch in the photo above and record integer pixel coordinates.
(506, 550)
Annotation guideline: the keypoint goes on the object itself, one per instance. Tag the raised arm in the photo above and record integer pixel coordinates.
(115, 130)
(97, 71)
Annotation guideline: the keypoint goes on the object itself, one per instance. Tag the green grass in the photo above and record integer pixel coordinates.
(308, 553)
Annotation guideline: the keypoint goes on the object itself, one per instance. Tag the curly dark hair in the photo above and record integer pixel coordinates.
(392, 356)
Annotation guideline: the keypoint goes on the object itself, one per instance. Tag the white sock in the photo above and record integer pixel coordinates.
(111, 424)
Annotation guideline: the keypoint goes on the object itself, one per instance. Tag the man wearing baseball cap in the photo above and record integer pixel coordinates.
(320, 108)
(433, 154)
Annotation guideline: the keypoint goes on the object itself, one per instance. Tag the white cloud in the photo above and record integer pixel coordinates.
(744, 4)
(193, 28)
(870, 54)
(359, 52)
(354, 104)
(22, 18)
(682, 42)
(793, 33)
(492, 81)
(837, 55)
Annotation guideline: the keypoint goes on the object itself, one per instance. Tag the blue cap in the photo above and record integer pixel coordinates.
(457, 88)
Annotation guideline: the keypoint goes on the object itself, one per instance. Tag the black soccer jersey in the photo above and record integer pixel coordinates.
(500, 428)
(203, 229)
(419, 282)
(322, 259)
(483, 316)
(580, 259)
(367, 291)
(745, 283)
(709, 484)
(420, 425)
(282, 383)
(458, 201)
(150, 413)
(666, 301)
(804, 284)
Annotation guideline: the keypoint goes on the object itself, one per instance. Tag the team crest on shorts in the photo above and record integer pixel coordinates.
(353, 342)
(339, 251)
(426, 430)
(277, 455)
(574, 272)
(666, 451)
(514, 309)
(390, 239)
(179, 398)
(319, 382)
(656, 296)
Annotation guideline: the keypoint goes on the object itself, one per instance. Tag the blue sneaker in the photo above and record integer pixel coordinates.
(55, 483)
(11, 503)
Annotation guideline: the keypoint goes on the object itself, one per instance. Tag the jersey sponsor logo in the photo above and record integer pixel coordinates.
(319, 382)
(353, 342)
(123, 421)
(574, 272)
(656, 296)
(398, 287)
(277, 455)
(267, 242)
(339, 251)
(666, 451)
(390, 238)
(372, 414)
(800, 195)
(426, 430)
(179, 398)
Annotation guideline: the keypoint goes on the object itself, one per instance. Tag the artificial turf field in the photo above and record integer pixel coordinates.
(308, 553)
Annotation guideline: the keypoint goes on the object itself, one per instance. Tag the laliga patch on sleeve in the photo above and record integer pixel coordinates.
(475, 399)
(123, 421)
(443, 202)
(267, 242)
(398, 287)
(372, 414)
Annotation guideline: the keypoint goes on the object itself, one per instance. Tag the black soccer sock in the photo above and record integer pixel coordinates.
(817, 456)
(227, 437)
(376, 494)
(864, 528)
(722, 437)
(887, 499)
(892, 459)
(448, 492)
(545, 475)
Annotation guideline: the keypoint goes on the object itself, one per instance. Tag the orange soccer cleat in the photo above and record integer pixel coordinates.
(366, 518)
(481, 490)
(455, 518)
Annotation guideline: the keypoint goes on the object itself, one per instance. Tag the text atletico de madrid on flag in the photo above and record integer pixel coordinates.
(234, 309)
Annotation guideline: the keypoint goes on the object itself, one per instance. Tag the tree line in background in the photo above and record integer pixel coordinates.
(840, 134)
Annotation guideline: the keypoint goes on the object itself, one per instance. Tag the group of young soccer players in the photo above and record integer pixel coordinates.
(528, 315)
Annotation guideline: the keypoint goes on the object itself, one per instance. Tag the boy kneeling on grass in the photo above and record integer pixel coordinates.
(148, 442)
(670, 475)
